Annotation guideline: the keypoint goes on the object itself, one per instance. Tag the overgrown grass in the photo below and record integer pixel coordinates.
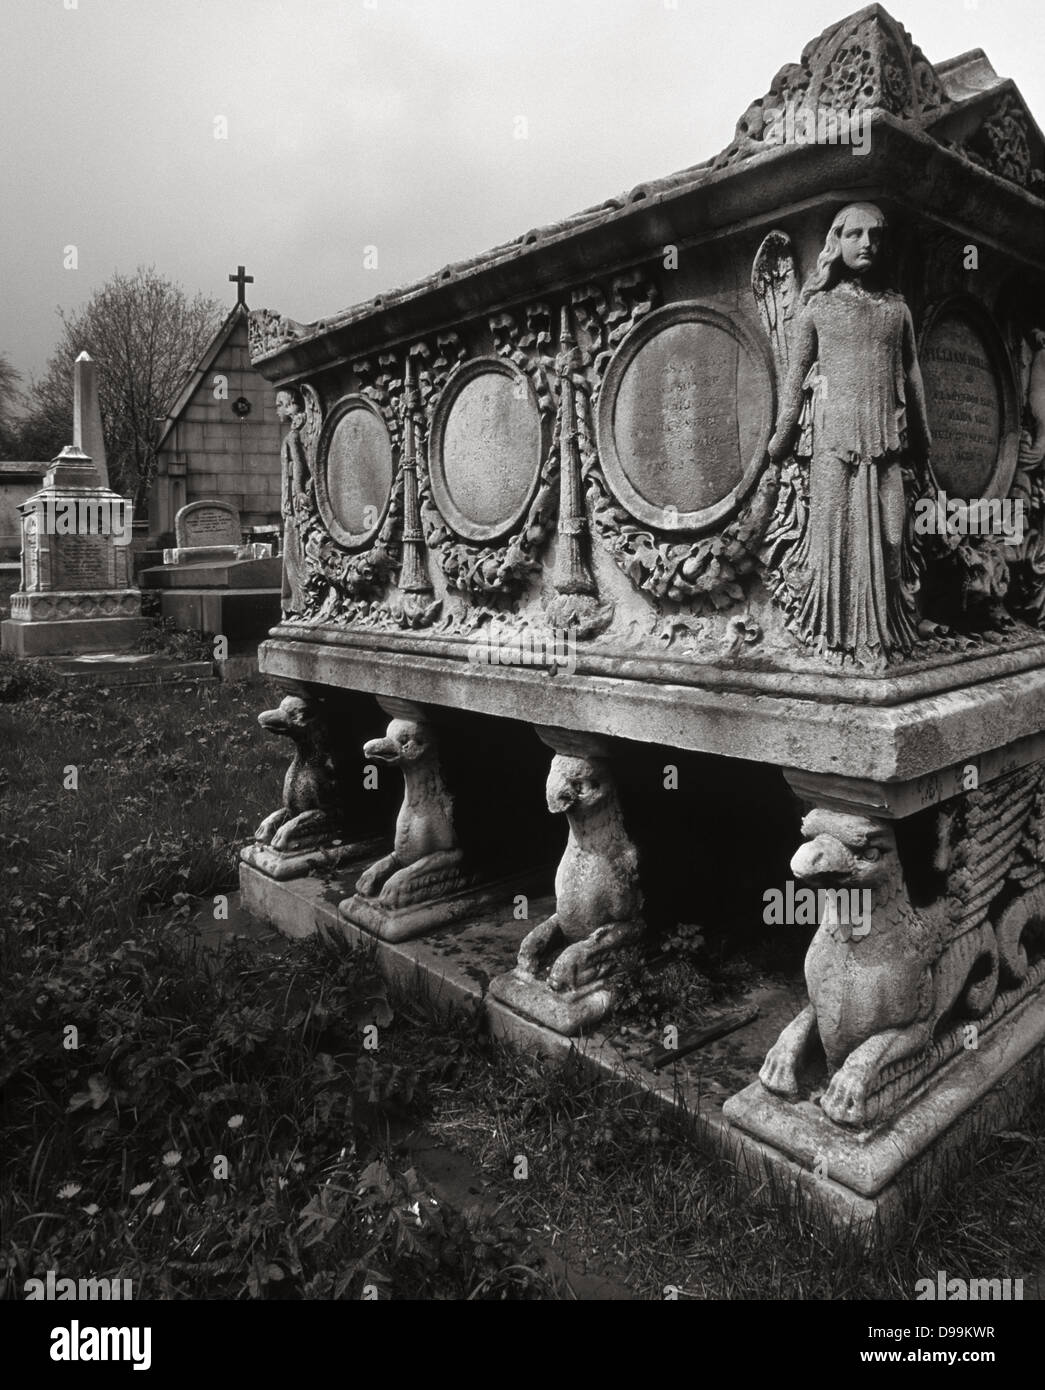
(202, 1124)
(165, 639)
(618, 1189)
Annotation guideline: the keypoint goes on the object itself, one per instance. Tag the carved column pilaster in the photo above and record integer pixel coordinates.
(413, 574)
(573, 575)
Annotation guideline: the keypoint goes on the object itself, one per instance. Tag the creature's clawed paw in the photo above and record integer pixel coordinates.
(284, 837)
(370, 880)
(778, 1072)
(270, 825)
(845, 1100)
(366, 884)
(579, 965)
(538, 945)
(394, 893)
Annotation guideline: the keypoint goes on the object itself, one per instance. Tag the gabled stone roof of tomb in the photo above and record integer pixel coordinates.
(203, 365)
(866, 63)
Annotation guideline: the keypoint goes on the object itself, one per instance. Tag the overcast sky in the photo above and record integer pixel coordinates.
(386, 123)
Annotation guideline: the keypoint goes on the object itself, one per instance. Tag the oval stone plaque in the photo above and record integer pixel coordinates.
(486, 450)
(970, 401)
(354, 472)
(685, 417)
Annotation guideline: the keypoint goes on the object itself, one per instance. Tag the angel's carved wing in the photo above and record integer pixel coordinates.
(775, 285)
(312, 425)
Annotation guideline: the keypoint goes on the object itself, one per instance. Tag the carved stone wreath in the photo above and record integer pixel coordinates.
(333, 575)
(496, 571)
(706, 574)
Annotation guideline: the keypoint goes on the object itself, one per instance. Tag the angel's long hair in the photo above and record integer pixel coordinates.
(296, 418)
(829, 262)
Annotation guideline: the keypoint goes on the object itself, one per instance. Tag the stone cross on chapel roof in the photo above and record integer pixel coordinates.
(241, 279)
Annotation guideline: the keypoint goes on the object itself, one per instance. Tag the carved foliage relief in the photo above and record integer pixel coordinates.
(653, 422)
(488, 427)
(675, 488)
(676, 451)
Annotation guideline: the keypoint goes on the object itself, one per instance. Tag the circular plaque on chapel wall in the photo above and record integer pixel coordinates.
(685, 416)
(487, 446)
(354, 470)
(970, 399)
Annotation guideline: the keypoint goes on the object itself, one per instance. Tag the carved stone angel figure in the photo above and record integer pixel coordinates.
(291, 408)
(849, 581)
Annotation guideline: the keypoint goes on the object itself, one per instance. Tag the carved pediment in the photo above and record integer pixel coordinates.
(866, 62)
(268, 331)
(997, 132)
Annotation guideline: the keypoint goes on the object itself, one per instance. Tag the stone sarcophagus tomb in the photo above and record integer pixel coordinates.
(746, 463)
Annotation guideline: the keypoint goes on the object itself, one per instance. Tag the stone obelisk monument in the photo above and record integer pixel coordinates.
(76, 590)
(87, 416)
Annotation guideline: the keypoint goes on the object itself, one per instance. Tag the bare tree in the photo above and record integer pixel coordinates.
(9, 393)
(146, 335)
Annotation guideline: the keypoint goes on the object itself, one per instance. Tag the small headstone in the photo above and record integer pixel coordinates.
(207, 524)
(210, 531)
(211, 581)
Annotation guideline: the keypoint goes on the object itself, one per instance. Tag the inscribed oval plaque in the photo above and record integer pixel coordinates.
(967, 400)
(685, 417)
(354, 472)
(486, 449)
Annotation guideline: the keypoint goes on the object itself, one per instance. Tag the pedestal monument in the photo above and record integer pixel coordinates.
(76, 592)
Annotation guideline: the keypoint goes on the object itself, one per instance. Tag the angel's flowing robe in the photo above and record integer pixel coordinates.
(852, 575)
(294, 472)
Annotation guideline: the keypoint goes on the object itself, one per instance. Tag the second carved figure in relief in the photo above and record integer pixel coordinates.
(855, 387)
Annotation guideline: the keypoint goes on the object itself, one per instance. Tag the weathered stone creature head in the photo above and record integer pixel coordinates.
(984, 571)
(299, 719)
(845, 851)
(578, 783)
(408, 741)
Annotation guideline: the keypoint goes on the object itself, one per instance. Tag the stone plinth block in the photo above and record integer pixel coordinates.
(464, 896)
(234, 613)
(218, 571)
(201, 554)
(284, 864)
(869, 1162)
(64, 637)
(570, 1013)
(60, 605)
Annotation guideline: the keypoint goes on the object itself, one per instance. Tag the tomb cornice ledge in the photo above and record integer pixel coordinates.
(925, 728)
(903, 163)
